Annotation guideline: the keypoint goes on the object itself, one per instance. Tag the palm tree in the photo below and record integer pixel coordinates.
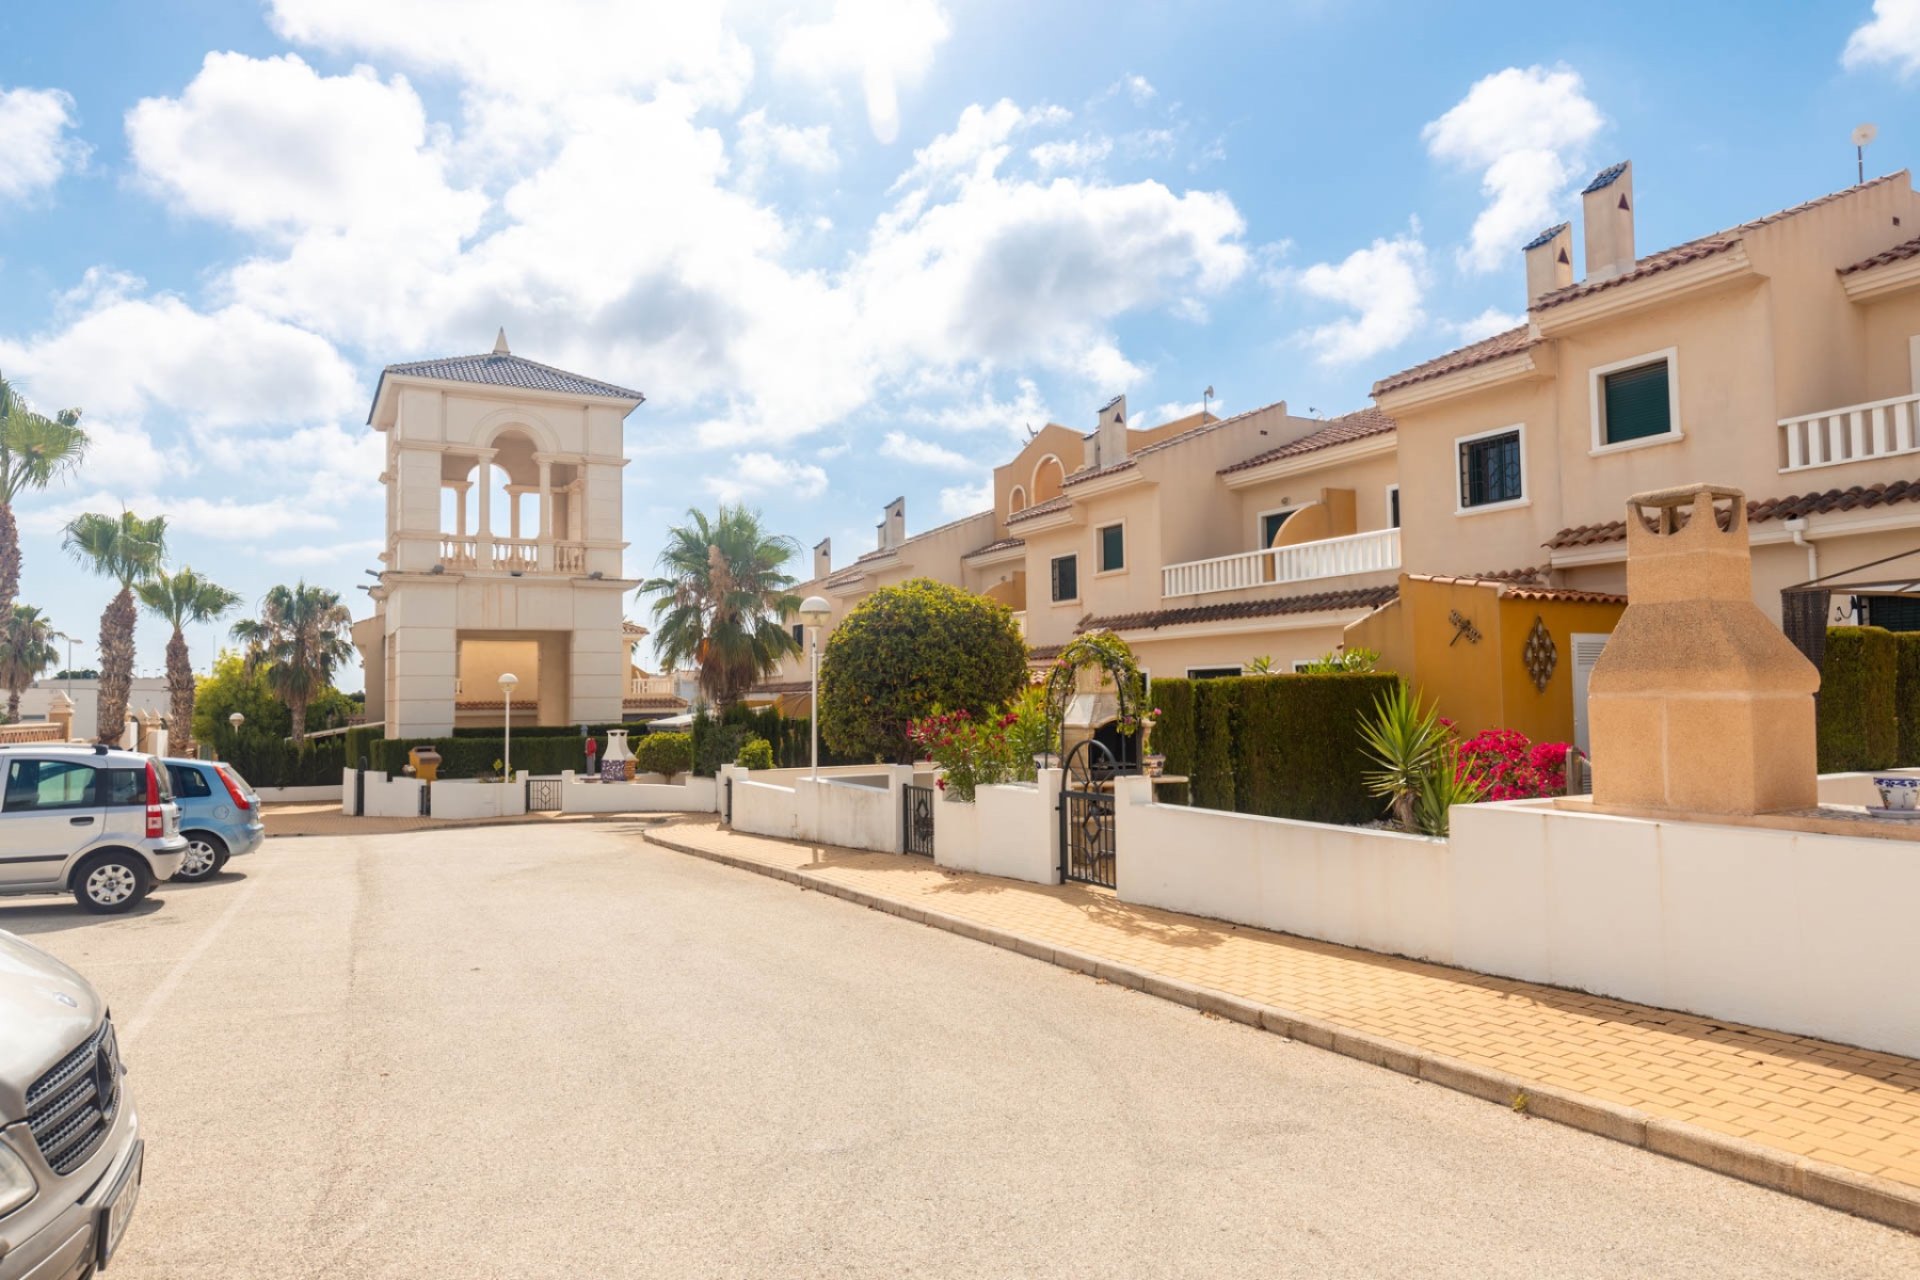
(26, 650)
(183, 597)
(720, 601)
(34, 451)
(300, 637)
(129, 550)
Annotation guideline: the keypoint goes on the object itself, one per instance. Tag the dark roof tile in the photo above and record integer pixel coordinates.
(1605, 178)
(1761, 510)
(1546, 235)
(1899, 253)
(1359, 425)
(498, 370)
(1312, 602)
(1004, 544)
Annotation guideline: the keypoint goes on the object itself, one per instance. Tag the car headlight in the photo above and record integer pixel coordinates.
(16, 1180)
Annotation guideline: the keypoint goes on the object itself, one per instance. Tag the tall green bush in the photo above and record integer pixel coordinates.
(1173, 734)
(1906, 698)
(1859, 725)
(1212, 779)
(665, 753)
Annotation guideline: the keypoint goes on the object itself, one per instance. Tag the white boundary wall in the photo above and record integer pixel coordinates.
(1799, 932)
(467, 798)
(855, 809)
(1011, 830)
(1381, 890)
(689, 795)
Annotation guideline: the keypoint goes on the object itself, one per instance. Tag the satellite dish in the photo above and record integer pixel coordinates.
(1865, 133)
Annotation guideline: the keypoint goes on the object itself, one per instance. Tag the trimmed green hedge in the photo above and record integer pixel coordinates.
(718, 740)
(1906, 646)
(1285, 746)
(1859, 724)
(268, 760)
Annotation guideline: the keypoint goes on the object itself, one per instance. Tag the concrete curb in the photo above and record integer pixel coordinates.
(1862, 1195)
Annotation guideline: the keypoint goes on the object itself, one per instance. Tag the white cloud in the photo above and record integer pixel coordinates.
(966, 499)
(1890, 38)
(222, 519)
(924, 453)
(120, 356)
(315, 151)
(329, 463)
(764, 143)
(1385, 283)
(985, 412)
(326, 553)
(1173, 411)
(886, 45)
(1080, 153)
(1526, 130)
(1139, 89)
(977, 144)
(762, 473)
(35, 141)
(119, 455)
(563, 49)
(1489, 322)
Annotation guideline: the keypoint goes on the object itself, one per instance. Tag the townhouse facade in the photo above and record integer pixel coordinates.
(1470, 523)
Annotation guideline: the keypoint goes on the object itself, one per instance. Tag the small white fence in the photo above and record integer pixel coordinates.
(855, 807)
(453, 798)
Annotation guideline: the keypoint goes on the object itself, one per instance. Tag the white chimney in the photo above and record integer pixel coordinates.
(1607, 215)
(1110, 434)
(823, 558)
(893, 525)
(1549, 261)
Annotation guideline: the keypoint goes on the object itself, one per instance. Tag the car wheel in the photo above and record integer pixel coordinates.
(111, 882)
(206, 854)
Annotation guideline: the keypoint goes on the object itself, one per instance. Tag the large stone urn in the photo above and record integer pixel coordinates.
(617, 764)
(1699, 704)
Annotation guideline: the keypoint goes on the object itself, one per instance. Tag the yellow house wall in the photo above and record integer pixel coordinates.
(1544, 715)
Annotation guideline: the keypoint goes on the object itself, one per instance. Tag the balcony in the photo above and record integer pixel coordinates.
(650, 686)
(1374, 552)
(510, 555)
(1855, 433)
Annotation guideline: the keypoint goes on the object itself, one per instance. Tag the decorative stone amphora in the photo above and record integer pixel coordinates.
(617, 764)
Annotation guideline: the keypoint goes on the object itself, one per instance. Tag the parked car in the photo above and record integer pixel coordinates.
(219, 815)
(71, 1154)
(96, 822)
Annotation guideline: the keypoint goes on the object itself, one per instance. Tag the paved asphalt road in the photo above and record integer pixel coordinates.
(532, 1052)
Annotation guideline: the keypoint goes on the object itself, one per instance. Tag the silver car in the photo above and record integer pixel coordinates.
(71, 1155)
(95, 822)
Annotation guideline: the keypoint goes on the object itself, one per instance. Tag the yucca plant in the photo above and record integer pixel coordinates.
(1449, 781)
(1403, 739)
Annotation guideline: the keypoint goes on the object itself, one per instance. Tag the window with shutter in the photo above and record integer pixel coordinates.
(1635, 404)
(1113, 548)
(1066, 578)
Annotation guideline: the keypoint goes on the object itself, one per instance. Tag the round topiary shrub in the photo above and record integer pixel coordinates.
(666, 753)
(756, 754)
(907, 651)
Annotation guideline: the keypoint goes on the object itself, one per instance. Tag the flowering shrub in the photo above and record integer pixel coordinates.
(971, 752)
(1514, 768)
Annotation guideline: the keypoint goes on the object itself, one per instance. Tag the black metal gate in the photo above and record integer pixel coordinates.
(543, 795)
(726, 807)
(1086, 814)
(916, 820)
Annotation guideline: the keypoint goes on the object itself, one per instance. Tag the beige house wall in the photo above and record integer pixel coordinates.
(1169, 655)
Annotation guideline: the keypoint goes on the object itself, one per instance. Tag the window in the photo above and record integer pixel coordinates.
(1113, 547)
(126, 787)
(1491, 469)
(1066, 578)
(1634, 404)
(800, 634)
(1302, 664)
(1393, 506)
(1211, 673)
(1895, 613)
(50, 784)
(1270, 522)
(188, 782)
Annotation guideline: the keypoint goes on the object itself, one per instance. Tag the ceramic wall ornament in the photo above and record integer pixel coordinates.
(1540, 655)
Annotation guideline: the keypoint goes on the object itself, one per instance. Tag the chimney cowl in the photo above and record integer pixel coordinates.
(1549, 258)
(1110, 434)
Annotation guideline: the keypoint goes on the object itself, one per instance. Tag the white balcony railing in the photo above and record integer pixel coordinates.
(459, 553)
(650, 686)
(511, 555)
(570, 557)
(1374, 552)
(1856, 433)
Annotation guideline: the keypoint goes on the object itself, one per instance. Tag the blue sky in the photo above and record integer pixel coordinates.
(848, 247)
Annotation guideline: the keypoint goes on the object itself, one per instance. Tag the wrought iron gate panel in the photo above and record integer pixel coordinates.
(1086, 837)
(916, 820)
(543, 795)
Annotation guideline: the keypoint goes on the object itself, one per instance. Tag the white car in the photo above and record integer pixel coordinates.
(96, 822)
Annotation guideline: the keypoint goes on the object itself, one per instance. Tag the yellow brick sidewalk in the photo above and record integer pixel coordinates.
(1823, 1103)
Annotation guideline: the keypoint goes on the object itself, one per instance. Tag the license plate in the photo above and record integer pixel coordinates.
(118, 1211)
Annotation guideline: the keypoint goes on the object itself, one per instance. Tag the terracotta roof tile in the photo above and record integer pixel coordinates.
(1899, 253)
(1040, 508)
(1526, 590)
(1125, 464)
(1358, 425)
(1484, 351)
(1761, 510)
(774, 687)
(1004, 544)
(1312, 602)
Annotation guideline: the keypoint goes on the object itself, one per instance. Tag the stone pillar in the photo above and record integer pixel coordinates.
(546, 511)
(60, 712)
(1699, 704)
(460, 488)
(483, 475)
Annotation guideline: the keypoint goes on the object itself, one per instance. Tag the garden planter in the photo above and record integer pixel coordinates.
(617, 764)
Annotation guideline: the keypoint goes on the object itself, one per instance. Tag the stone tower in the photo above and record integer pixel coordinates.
(504, 546)
(1699, 704)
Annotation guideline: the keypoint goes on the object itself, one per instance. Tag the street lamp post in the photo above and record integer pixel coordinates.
(236, 720)
(814, 611)
(507, 682)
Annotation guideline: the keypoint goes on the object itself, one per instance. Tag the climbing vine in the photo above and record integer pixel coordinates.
(1114, 659)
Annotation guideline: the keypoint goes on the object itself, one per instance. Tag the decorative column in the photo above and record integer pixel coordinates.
(545, 535)
(483, 475)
